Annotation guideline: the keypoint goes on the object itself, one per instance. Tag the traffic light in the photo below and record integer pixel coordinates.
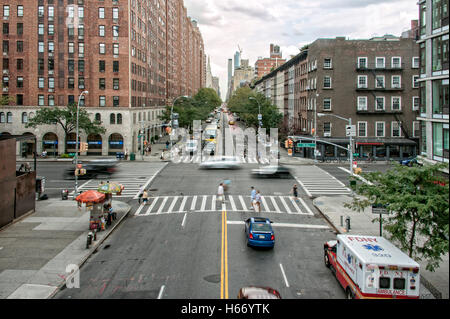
(291, 144)
(313, 131)
(286, 144)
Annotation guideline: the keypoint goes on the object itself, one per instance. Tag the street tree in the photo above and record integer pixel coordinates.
(248, 109)
(418, 205)
(66, 117)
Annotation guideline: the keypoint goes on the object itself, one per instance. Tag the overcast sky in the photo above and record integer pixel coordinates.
(254, 24)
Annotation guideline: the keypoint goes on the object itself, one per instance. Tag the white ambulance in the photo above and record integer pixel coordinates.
(372, 267)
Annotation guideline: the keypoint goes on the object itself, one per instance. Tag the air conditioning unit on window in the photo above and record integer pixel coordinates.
(327, 134)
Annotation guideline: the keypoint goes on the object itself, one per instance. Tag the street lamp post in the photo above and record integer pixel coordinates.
(350, 146)
(259, 110)
(77, 144)
(315, 129)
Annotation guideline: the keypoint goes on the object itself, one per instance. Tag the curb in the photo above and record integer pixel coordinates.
(91, 251)
(435, 292)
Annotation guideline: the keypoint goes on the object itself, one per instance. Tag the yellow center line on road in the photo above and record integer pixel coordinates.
(224, 258)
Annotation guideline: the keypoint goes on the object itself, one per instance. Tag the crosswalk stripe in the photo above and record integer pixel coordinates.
(194, 201)
(149, 210)
(275, 204)
(296, 206)
(172, 205)
(213, 203)
(306, 206)
(203, 203)
(162, 205)
(265, 206)
(233, 204)
(183, 202)
(139, 209)
(241, 199)
(285, 205)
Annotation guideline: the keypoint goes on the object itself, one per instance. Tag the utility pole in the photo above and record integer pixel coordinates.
(142, 139)
(77, 145)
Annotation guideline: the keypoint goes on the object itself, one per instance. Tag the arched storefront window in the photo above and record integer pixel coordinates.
(94, 144)
(70, 142)
(115, 143)
(112, 119)
(50, 143)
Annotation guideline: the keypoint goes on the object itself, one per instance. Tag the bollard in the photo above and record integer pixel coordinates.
(89, 240)
(347, 222)
(342, 221)
(95, 234)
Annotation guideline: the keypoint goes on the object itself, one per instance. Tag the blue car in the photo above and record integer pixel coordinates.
(410, 162)
(259, 232)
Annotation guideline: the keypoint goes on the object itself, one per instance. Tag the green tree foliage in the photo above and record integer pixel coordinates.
(248, 109)
(196, 108)
(67, 119)
(417, 200)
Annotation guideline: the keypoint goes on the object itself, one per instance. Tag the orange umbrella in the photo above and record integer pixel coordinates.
(90, 196)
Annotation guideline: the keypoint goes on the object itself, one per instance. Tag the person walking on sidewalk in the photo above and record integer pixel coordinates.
(141, 191)
(295, 192)
(252, 198)
(221, 193)
(167, 145)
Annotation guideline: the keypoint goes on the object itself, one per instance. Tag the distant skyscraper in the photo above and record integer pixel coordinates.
(230, 76)
(237, 60)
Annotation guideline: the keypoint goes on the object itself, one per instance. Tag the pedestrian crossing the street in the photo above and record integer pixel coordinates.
(209, 203)
(316, 182)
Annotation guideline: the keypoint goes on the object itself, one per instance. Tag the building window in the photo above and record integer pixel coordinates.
(51, 46)
(20, 11)
(379, 82)
(41, 82)
(20, 46)
(41, 100)
(116, 50)
(362, 62)
(71, 47)
(327, 82)
(396, 132)
(379, 129)
(438, 139)
(439, 52)
(51, 29)
(51, 100)
(327, 63)
(98, 117)
(102, 48)
(19, 64)
(396, 103)
(70, 30)
(80, 66)
(81, 50)
(415, 103)
(102, 100)
(119, 118)
(2, 117)
(101, 13)
(116, 84)
(5, 82)
(20, 81)
(19, 99)
(40, 29)
(112, 119)
(115, 12)
(362, 103)
(81, 31)
(51, 13)
(101, 66)
(101, 83)
(416, 129)
(116, 31)
(51, 83)
(379, 103)
(40, 11)
(327, 129)
(362, 81)
(5, 28)
(415, 62)
(101, 30)
(82, 100)
(9, 117)
(116, 103)
(415, 84)
(362, 129)
(380, 62)
(440, 98)
(327, 104)
(24, 117)
(71, 66)
(81, 83)
(396, 81)
(396, 63)
(19, 28)
(71, 83)
(115, 66)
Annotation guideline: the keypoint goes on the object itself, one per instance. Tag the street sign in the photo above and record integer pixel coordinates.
(350, 130)
(259, 117)
(310, 145)
(379, 210)
(355, 154)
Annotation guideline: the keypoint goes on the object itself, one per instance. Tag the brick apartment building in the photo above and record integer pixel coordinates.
(134, 57)
(264, 66)
(374, 82)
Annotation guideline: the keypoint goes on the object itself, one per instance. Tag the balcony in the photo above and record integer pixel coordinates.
(385, 67)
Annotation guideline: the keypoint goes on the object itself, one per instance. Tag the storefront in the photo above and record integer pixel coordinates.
(115, 143)
(94, 145)
(389, 149)
(50, 144)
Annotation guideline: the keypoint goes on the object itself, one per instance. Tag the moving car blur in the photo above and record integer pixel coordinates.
(210, 148)
(271, 171)
(94, 168)
(221, 162)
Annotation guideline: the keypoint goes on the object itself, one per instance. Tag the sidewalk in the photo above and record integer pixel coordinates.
(35, 251)
(433, 284)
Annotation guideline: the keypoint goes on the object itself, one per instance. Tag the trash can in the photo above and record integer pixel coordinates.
(64, 194)
(132, 157)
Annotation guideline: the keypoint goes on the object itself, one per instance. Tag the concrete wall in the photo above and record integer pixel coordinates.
(7, 180)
